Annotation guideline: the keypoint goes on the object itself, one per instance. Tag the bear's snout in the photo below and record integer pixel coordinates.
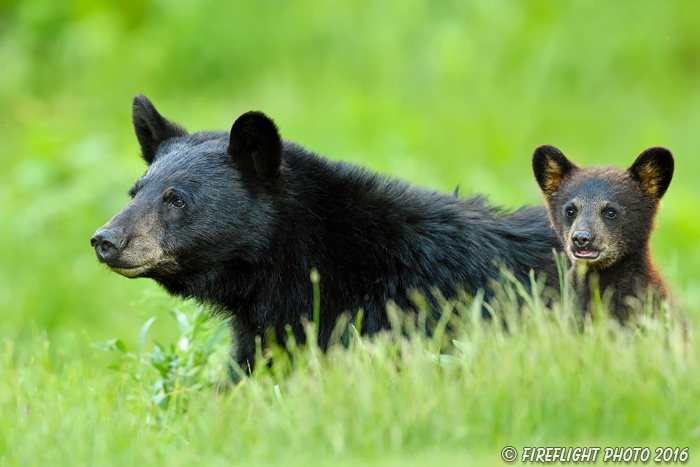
(582, 239)
(106, 244)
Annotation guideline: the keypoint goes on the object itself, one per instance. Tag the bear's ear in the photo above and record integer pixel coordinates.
(255, 144)
(550, 167)
(151, 127)
(653, 170)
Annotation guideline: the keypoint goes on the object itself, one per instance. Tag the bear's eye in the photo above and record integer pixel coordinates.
(178, 203)
(611, 213)
(570, 212)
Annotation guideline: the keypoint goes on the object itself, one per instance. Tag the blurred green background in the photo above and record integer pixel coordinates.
(437, 92)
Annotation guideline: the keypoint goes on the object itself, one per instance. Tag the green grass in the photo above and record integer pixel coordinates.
(439, 93)
(544, 382)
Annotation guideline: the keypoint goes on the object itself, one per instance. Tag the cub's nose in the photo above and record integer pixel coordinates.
(582, 239)
(106, 243)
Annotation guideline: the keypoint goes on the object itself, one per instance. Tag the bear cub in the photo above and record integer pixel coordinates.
(238, 219)
(604, 217)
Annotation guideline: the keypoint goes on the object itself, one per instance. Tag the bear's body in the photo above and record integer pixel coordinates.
(604, 217)
(239, 219)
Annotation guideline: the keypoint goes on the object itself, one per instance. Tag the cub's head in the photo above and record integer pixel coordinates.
(602, 214)
(203, 201)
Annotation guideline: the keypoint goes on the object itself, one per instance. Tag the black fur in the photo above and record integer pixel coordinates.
(258, 214)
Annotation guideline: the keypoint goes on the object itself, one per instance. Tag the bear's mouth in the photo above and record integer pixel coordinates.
(161, 264)
(586, 254)
(130, 272)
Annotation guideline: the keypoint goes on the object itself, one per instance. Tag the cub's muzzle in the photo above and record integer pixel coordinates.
(582, 239)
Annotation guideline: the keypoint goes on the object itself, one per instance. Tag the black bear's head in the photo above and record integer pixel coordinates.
(602, 214)
(205, 200)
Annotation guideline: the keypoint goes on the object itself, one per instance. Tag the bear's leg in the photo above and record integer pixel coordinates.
(242, 351)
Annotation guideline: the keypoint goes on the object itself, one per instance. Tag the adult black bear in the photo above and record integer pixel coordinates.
(604, 217)
(239, 219)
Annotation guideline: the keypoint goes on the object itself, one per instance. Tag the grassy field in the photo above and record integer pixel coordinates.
(439, 93)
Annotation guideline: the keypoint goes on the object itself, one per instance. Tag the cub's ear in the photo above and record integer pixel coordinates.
(653, 170)
(151, 127)
(255, 145)
(550, 167)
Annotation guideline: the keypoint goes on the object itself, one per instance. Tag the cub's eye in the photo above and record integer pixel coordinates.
(611, 213)
(177, 203)
(570, 212)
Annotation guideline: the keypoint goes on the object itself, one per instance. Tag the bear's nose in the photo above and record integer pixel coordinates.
(105, 243)
(582, 238)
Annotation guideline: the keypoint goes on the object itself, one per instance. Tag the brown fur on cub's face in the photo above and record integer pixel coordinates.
(604, 216)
